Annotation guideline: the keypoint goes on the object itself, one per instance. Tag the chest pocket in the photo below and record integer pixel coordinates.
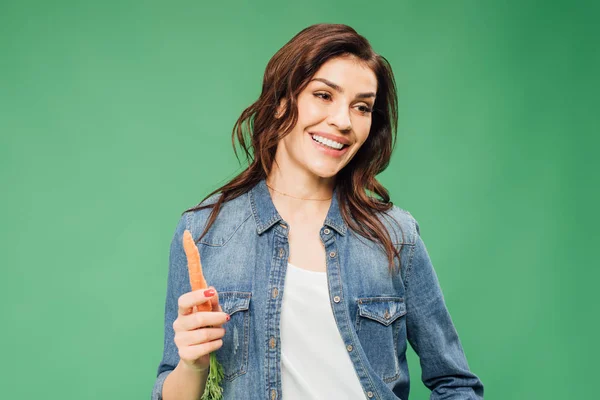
(380, 321)
(233, 355)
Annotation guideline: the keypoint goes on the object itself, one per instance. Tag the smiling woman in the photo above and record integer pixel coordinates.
(334, 120)
(320, 281)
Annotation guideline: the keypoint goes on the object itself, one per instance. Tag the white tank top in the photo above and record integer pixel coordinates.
(315, 364)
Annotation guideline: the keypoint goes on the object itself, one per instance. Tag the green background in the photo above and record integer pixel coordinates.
(116, 116)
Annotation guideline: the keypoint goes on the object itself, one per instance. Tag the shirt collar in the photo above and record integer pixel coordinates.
(266, 215)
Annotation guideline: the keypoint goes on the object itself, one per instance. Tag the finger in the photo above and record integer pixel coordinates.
(214, 301)
(215, 305)
(197, 281)
(187, 301)
(199, 336)
(201, 320)
(196, 351)
(206, 306)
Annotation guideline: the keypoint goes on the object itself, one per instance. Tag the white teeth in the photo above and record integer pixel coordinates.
(327, 142)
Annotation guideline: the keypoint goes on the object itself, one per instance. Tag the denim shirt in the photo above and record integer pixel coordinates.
(244, 256)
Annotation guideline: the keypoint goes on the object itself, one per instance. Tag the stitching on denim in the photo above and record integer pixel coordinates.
(254, 211)
(395, 327)
(376, 317)
(377, 299)
(230, 236)
(240, 306)
(395, 341)
(341, 229)
(267, 320)
(409, 268)
(246, 341)
(260, 226)
(246, 296)
(413, 223)
(187, 221)
(283, 234)
(237, 293)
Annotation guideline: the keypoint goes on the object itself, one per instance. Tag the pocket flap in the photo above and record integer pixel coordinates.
(232, 302)
(382, 309)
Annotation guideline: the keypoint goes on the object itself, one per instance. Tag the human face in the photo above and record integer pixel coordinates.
(336, 106)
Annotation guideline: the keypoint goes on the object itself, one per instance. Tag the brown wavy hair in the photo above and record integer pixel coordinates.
(286, 75)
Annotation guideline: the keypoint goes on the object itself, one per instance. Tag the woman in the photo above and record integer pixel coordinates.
(321, 281)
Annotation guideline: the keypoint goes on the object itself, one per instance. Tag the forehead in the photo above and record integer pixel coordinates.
(349, 73)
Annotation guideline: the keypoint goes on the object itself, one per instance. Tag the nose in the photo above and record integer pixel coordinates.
(340, 118)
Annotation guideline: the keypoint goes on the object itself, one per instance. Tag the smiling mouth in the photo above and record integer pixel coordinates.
(328, 143)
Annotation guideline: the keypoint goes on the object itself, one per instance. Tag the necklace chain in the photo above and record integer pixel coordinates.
(294, 197)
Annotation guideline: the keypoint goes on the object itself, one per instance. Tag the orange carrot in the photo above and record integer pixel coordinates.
(197, 280)
(213, 389)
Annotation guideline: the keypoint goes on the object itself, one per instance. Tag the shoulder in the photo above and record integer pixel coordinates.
(401, 225)
(232, 214)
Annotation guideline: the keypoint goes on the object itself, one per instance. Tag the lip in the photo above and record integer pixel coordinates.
(339, 139)
(326, 150)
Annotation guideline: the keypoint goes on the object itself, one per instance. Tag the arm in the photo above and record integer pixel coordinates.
(184, 383)
(174, 379)
(432, 334)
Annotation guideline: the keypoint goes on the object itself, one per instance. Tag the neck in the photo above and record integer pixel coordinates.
(298, 194)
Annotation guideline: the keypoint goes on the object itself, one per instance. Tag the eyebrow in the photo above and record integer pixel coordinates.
(339, 88)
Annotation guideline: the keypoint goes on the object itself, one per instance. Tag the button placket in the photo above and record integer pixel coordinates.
(280, 251)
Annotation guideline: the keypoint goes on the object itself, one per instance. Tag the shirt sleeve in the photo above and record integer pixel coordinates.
(431, 332)
(177, 284)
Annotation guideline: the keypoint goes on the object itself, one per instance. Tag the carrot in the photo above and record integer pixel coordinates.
(197, 280)
(213, 389)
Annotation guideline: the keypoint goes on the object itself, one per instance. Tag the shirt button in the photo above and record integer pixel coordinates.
(327, 231)
(283, 226)
(272, 343)
(273, 394)
(275, 293)
(336, 299)
(332, 254)
(386, 315)
(370, 394)
(281, 253)
(349, 347)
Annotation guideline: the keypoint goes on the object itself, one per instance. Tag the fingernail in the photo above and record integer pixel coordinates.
(209, 292)
(228, 317)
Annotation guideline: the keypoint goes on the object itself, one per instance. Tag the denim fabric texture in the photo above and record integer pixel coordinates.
(244, 256)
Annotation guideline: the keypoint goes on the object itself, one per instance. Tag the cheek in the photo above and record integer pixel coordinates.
(310, 112)
(362, 131)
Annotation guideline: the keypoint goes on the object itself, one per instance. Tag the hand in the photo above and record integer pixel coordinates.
(197, 334)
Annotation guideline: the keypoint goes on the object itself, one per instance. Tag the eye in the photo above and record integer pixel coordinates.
(324, 96)
(365, 109)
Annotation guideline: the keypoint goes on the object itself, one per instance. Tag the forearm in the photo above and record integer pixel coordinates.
(184, 384)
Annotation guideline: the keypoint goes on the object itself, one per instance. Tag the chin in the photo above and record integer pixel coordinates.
(324, 173)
